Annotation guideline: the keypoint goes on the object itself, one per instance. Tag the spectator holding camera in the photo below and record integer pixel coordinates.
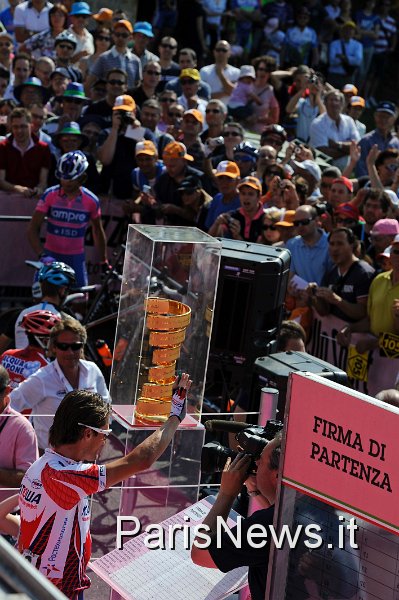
(226, 556)
(246, 222)
(307, 107)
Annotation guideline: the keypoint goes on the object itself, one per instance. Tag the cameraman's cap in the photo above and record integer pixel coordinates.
(190, 74)
(144, 27)
(196, 114)
(346, 182)
(227, 168)
(252, 182)
(349, 88)
(176, 150)
(288, 219)
(347, 210)
(124, 102)
(386, 227)
(386, 106)
(124, 23)
(146, 147)
(357, 101)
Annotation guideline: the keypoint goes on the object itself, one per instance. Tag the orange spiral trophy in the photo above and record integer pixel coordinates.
(166, 324)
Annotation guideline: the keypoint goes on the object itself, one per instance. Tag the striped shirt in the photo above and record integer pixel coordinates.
(111, 59)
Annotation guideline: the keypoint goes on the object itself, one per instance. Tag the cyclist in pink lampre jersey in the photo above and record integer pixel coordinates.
(69, 208)
(55, 509)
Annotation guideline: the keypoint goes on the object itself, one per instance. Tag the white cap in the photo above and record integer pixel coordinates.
(310, 166)
(247, 71)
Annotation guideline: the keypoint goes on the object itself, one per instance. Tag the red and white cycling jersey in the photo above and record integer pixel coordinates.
(55, 518)
(20, 364)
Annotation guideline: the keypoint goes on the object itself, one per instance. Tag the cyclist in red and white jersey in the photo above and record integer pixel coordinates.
(21, 363)
(55, 509)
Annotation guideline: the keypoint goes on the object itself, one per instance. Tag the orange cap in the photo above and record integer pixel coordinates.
(176, 150)
(124, 102)
(288, 219)
(227, 168)
(124, 23)
(146, 147)
(252, 182)
(196, 114)
(104, 14)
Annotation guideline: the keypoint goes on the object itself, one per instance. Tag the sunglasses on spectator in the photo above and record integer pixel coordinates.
(64, 346)
(73, 100)
(189, 191)
(345, 221)
(167, 100)
(272, 173)
(97, 429)
(169, 46)
(116, 82)
(103, 38)
(81, 16)
(187, 81)
(392, 167)
(231, 134)
(176, 115)
(271, 227)
(221, 50)
(121, 35)
(302, 222)
(215, 111)
(152, 72)
(5, 44)
(66, 46)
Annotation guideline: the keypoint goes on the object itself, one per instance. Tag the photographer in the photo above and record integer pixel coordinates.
(117, 153)
(227, 556)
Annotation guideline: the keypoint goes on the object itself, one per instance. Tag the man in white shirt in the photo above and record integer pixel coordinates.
(31, 17)
(333, 131)
(221, 76)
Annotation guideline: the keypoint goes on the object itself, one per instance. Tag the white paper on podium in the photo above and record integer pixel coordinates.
(138, 573)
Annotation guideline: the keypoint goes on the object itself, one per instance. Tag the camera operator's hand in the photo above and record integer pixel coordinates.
(116, 120)
(147, 199)
(235, 474)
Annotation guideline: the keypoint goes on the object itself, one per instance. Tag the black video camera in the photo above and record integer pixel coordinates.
(251, 440)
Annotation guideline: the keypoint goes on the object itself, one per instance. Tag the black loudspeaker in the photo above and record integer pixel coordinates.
(249, 307)
(273, 371)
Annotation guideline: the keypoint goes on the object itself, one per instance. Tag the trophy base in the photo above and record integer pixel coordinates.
(150, 411)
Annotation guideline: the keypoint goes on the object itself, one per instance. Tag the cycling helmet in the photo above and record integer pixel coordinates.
(71, 165)
(65, 36)
(58, 273)
(39, 322)
(246, 148)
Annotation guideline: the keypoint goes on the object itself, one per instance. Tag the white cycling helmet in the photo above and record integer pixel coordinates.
(71, 165)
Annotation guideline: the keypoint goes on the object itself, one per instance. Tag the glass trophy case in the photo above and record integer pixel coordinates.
(164, 325)
(168, 292)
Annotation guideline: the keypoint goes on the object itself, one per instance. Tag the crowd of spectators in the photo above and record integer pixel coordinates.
(251, 120)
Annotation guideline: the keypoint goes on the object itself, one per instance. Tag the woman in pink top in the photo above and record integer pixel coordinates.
(268, 111)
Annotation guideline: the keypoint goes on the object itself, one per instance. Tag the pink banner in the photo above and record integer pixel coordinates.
(342, 447)
(16, 248)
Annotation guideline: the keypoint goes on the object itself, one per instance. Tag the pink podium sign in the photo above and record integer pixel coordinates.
(342, 447)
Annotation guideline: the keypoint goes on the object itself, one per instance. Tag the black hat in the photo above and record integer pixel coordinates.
(191, 182)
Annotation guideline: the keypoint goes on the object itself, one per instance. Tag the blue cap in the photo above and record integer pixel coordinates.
(386, 106)
(80, 8)
(75, 90)
(140, 27)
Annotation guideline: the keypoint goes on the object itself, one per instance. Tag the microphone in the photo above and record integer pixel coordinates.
(229, 426)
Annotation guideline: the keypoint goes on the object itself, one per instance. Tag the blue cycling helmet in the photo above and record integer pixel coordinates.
(58, 273)
(248, 149)
(71, 165)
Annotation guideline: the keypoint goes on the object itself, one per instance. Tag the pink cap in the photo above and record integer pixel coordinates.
(385, 227)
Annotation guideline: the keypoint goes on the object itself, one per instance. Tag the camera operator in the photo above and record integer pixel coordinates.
(227, 556)
(117, 153)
